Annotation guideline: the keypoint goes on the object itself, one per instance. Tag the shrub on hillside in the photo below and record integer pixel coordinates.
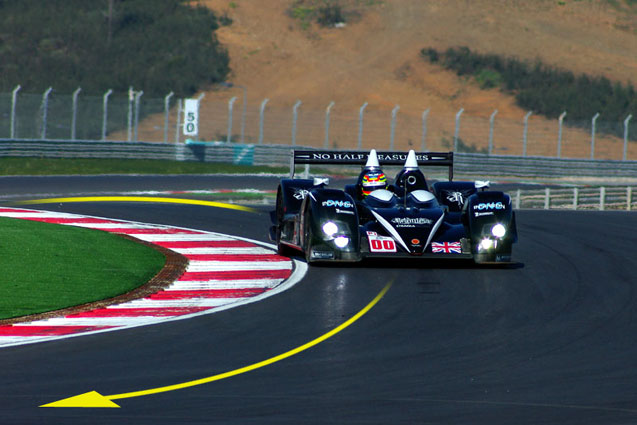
(544, 89)
(153, 45)
(326, 13)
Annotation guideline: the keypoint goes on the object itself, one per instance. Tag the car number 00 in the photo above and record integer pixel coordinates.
(382, 245)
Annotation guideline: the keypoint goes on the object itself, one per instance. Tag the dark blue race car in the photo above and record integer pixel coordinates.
(405, 218)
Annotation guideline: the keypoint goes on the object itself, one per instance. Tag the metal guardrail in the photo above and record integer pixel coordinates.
(202, 152)
(521, 166)
(483, 165)
(577, 198)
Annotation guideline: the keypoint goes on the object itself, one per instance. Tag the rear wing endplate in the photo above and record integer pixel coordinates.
(425, 159)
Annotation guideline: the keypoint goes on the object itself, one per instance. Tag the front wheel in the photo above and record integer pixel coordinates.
(307, 237)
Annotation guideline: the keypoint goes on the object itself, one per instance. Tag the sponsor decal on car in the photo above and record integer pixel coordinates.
(380, 243)
(480, 214)
(410, 222)
(339, 204)
(335, 156)
(322, 255)
(300, 194)
(339, 211)
(489, 206)
(457, 197)
(446, 247)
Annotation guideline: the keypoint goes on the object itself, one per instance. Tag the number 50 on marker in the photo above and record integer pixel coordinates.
(191, 117)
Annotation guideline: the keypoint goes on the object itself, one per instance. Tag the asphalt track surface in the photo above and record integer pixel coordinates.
(551, 340)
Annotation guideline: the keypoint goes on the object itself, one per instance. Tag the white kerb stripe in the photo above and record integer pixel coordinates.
(106, 226)
(96, 321)
(190, 285)
(190, 302)
(37, 215)
(222, 251)
(212, 266)
(183, 237)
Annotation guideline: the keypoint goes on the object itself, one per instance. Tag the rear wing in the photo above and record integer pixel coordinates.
(425, 159)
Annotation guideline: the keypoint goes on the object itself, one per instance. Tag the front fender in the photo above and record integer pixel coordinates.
(482, 212)
(335, 206)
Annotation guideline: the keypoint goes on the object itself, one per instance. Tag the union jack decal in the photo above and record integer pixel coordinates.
(446, 247)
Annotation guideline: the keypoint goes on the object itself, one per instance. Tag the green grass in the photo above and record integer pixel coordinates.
(51, 166)
(46, 267)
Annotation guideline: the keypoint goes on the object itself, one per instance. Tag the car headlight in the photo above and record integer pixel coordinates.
(341, 241)
(486, 244)
(498, 230)
(330, 228)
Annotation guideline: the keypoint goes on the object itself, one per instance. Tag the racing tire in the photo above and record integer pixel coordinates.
(281, 248)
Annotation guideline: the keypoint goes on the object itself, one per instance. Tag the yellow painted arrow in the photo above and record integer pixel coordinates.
(137, 199)
(95, 399)
(90, 399)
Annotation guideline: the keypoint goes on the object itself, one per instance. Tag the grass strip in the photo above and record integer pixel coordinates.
(45, 267)
(10, 166)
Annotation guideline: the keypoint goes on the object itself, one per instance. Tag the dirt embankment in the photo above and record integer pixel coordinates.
(375, 58)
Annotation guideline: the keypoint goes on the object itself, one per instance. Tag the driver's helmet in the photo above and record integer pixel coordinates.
(373, 180)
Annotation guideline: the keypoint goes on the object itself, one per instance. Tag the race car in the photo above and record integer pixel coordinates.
(405, 218)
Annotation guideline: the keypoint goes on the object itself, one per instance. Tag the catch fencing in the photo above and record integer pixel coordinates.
(228, 115)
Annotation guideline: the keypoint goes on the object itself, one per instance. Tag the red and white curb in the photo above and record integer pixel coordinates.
(223, 272)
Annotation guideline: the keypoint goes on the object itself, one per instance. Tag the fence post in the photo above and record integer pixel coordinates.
(327, 125)
(166, 112)
(394, 113)
(424, 129)
(626, 121)
(517, 199)
(45, 109)
(361, 111)
(105, 112)
(244, 111)
(629, 198)
(261, 114)
(295, 115)
(457, 131)
(575, 197)
(138, 95)
(178, 120)
(547, 198)
(593, 127)
(491, 125)
(602, 198)
(14, 101)
(526, 131)
(76, 93)
(559, 134)
(131, 97)
(230, 108)
(199, 98)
